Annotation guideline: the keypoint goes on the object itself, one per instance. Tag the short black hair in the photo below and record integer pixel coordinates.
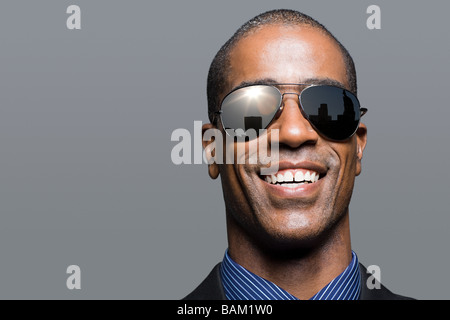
(219, 69)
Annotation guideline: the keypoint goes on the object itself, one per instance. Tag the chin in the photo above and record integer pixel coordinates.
(284, 240)
(295, 235)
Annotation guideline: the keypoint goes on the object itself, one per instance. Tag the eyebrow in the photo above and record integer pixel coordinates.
(270, 81)
(254, 82)
(325, 81)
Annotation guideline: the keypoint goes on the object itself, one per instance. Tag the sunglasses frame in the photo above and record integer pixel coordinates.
(280, 106)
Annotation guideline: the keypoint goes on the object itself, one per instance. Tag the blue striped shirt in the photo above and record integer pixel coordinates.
(241, 284)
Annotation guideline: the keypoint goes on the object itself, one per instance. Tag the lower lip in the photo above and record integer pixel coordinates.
(306, 190)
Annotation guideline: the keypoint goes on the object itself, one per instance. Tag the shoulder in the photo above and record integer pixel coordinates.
(210, 289)
(378, 292)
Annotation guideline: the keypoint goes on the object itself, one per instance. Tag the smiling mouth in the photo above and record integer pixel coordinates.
(292, 178)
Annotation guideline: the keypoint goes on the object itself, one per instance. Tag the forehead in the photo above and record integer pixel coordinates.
(286, 54)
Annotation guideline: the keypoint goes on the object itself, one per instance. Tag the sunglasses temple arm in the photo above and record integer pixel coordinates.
(363, 111)
(216, 114)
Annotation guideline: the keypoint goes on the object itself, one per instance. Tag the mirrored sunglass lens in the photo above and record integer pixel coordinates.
(251, 107)
(331, 110)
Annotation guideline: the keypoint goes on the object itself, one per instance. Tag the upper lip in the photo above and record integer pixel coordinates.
(307, 165)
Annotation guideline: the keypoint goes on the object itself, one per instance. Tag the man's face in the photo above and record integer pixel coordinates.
(278, 214)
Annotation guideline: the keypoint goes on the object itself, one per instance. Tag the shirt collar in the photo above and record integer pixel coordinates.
(241, 284)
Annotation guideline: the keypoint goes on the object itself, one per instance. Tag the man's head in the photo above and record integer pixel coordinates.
(220, 66)
(287, 47)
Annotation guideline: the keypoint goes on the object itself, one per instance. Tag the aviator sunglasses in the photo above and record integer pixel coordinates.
(332, 111)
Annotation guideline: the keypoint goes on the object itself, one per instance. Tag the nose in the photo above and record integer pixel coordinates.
(294, 128)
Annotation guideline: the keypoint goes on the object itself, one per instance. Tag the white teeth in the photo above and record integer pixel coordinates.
(307, 176)
(299, 176)
(280, 177)
(274, 179)
(288, 177)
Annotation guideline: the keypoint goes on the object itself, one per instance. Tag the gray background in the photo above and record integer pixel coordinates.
(85, 123)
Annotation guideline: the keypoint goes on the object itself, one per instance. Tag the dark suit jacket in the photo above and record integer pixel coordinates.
(212, 289)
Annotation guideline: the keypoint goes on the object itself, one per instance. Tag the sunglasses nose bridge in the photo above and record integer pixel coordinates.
(295, 128)
(288, 93)
(298, 102)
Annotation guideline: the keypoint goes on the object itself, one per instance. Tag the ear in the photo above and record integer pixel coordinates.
(213, 168)
(361, 140)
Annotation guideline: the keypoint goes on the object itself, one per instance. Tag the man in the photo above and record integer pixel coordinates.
(288, 231)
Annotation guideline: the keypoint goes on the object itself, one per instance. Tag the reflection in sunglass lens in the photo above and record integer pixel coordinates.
(251, 107)
(333, 111)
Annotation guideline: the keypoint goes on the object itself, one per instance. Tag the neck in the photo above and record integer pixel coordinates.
(301, 271)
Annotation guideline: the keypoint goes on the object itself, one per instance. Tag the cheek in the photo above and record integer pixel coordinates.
(230, 186)
(347, 162)
(234, 191)
(241, 152)
(237, 161)
(346, 155)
